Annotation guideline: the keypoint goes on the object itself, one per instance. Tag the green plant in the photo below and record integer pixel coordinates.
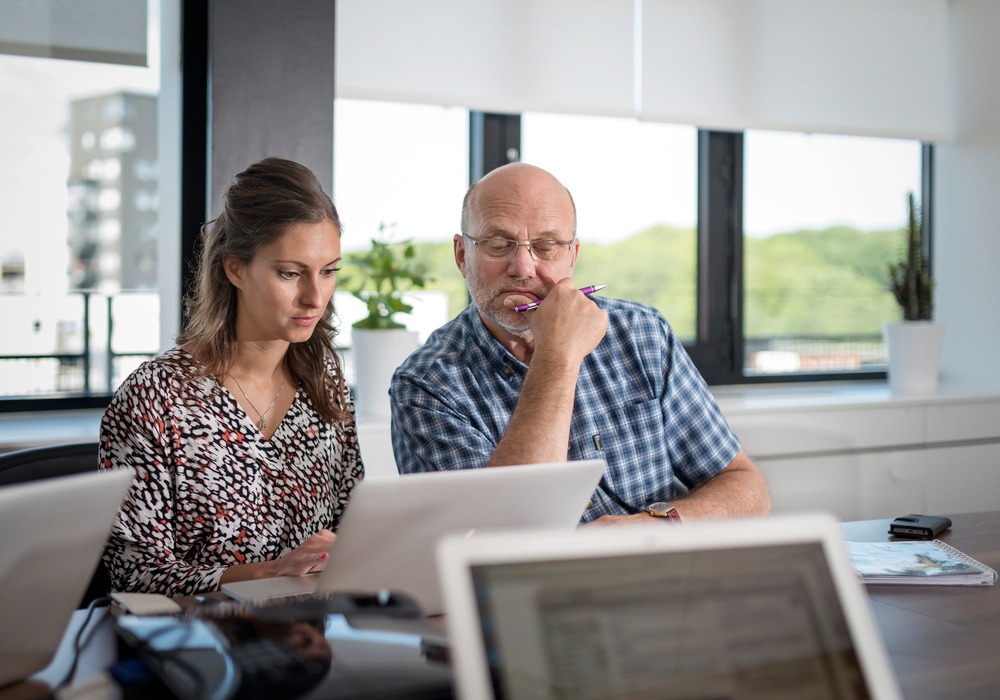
(910, 279)
(380, 276)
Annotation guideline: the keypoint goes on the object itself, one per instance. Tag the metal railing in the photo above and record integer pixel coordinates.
(83, 359)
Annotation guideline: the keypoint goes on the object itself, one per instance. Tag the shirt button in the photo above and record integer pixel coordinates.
(506, 371)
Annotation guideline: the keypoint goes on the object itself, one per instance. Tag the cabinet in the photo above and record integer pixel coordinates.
(863, 454)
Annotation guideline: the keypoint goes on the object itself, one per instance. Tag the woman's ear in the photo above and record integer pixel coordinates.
(234, 270)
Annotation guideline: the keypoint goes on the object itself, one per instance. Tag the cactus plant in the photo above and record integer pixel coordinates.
(910, 279)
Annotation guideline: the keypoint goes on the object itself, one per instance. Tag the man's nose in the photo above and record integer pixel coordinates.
(521, 264)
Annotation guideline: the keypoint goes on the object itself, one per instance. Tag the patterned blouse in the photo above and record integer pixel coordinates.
(209, 490)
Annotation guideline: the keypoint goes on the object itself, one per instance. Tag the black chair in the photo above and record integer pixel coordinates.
(52, 461)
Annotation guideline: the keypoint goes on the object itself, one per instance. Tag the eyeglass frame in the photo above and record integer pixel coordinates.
(529, 245)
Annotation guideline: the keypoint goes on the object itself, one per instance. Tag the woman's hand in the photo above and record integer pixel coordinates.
(308, 557)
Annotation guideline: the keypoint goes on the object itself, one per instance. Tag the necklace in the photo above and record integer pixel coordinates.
(263, 421)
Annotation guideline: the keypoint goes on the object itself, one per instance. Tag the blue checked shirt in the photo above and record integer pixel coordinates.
(640, 405)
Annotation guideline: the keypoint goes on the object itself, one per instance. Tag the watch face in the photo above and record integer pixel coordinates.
(662, 509)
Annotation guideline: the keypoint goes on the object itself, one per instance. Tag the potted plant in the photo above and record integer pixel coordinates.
(913, 345)
(380, 277)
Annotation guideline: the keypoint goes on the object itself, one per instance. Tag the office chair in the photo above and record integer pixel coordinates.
(37, 463)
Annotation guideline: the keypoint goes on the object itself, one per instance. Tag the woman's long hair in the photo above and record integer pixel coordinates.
(258, 207)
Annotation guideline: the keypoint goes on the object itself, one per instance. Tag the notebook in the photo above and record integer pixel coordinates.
(389, 530)
(54, 531)
(755, 608)
(917, 562)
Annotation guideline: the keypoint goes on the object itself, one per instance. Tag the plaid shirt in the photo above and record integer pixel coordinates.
(640, 405)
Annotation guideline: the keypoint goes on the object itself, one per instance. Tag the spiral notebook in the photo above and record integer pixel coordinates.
(928, 562)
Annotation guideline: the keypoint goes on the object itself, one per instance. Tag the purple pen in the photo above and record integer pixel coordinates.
(586, 290)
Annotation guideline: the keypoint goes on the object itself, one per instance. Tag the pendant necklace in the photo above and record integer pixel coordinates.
(263, 421)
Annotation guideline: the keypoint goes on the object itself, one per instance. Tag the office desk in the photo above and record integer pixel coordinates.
(943, 640)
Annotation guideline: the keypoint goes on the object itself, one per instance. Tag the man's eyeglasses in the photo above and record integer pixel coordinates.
(502, 248)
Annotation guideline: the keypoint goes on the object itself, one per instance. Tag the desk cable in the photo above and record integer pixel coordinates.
(610, 492)
(79, 642)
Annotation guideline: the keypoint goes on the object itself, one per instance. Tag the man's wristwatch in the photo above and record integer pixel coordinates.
(662, 509)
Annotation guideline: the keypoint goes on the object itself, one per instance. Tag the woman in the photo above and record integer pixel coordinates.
(242, 437)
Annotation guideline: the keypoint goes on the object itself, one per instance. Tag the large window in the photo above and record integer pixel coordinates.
(635, 187)
(78, 240)
(822, 220)
(400, 172)
(766, 251)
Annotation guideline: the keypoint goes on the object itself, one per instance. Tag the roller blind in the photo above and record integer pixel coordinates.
(491, 55)
(871, 67)
(866, 67)
(105, 31)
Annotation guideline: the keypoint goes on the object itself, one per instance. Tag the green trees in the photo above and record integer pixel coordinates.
(818, 283)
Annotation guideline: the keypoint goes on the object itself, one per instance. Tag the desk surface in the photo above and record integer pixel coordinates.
(942, 639)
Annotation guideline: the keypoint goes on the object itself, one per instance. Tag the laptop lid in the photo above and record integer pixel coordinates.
(389, 530)
(54, 531)
(756, 608)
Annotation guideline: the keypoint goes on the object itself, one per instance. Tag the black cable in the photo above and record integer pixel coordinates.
(79, 643)
(616, 498)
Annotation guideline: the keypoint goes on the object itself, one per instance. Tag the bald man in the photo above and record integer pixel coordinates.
(578, 377)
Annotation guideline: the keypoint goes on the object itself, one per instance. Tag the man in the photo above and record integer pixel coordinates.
(577, 377)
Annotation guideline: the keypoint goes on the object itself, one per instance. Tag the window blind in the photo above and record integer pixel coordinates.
(867, 67)
(105, 31)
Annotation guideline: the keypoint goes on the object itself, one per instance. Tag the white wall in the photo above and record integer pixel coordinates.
(967, 192)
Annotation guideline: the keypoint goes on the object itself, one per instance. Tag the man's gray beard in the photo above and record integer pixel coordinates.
(521, 330)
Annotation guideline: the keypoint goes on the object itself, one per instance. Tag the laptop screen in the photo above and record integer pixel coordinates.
(747, 622)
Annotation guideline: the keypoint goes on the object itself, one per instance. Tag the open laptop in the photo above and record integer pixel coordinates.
(54, 531)
(747, 608)
(389, 530)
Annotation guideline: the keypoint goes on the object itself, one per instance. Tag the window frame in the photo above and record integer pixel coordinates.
(495, 139)
(718, 351)
(718, 348)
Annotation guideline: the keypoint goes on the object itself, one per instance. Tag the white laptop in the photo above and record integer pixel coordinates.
(748, 608)
(53, 533)
(389, 530)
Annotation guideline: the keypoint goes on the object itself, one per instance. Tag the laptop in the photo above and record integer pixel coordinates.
(389, 530)
(54, 531)
(746, 608)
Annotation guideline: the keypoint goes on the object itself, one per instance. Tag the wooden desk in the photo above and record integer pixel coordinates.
(943, 640)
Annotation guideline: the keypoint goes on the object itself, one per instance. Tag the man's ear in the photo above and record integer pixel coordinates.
(234, 270)
(459, 245)
(573, 257)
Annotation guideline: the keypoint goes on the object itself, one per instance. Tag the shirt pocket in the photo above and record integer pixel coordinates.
(632, 440)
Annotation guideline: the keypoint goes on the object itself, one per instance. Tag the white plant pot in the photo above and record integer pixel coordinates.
(377, 354)
(914, 351)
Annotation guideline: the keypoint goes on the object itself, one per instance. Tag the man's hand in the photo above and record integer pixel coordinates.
(569, 324)
(565, 329)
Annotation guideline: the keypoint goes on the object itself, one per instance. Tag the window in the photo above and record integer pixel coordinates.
(71, 133)
(635, 188)
(822, 220)
(400, 173)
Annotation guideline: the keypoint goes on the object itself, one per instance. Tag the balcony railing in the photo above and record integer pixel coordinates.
(77, 344)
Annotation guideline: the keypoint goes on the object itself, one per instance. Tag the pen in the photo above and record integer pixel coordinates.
(586, 290)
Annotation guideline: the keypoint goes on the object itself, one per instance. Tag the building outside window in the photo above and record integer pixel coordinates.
(79, 192)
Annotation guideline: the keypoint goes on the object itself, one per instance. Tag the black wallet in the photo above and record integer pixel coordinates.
(921, 527)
